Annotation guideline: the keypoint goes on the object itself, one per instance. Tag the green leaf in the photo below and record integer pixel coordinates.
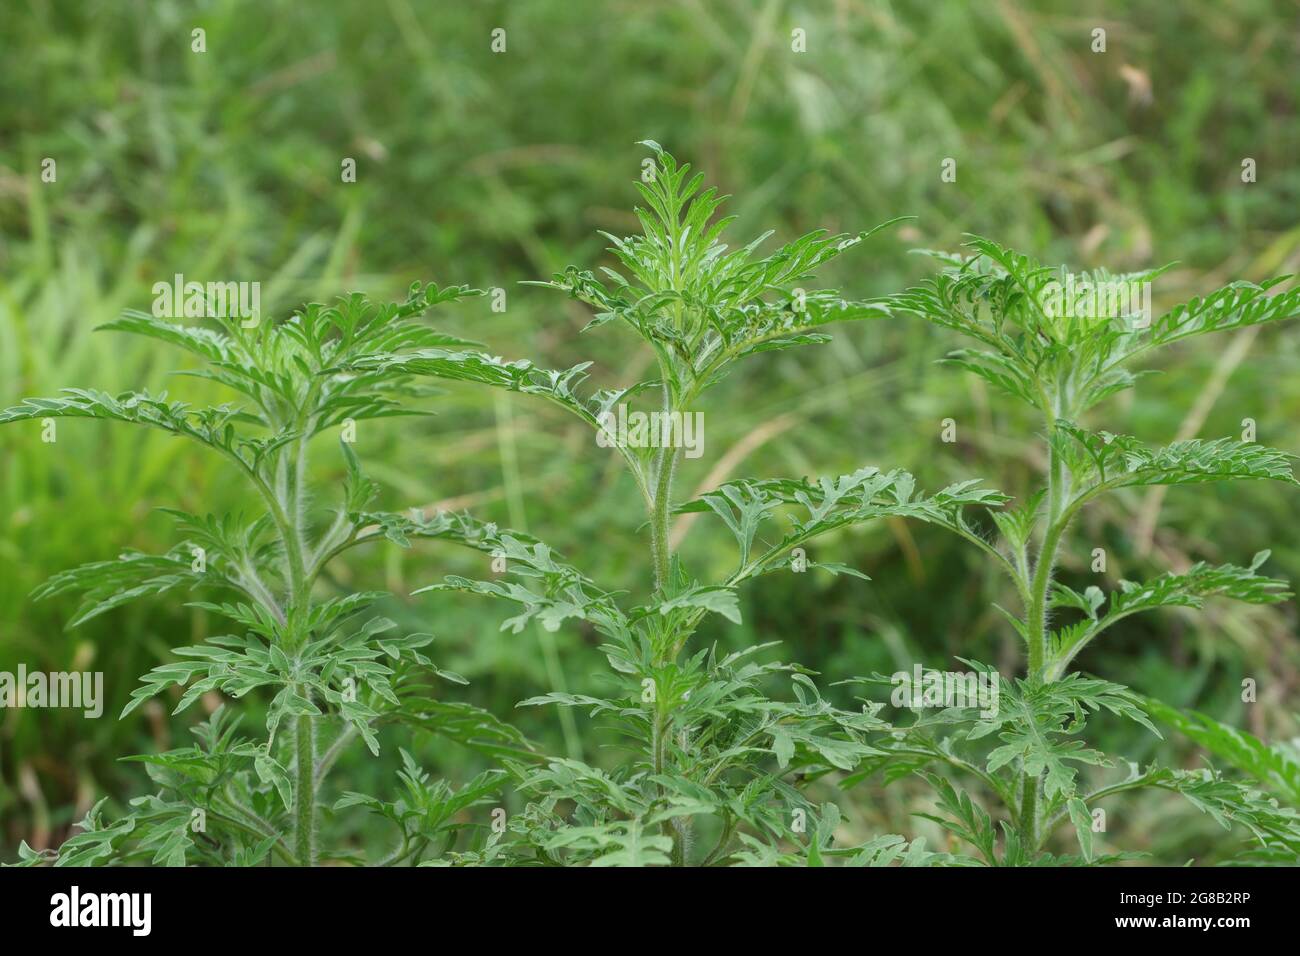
(964, 818)
(1104, 461)
(1082, 821)
(1272, 766)
(1188, 589)
(716, 598)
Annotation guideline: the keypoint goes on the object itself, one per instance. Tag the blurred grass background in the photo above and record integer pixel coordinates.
(491, 168)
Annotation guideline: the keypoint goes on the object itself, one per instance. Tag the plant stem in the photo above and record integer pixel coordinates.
(1036, 622)
(1037, 635)
(1036, 632)
(662, 549)
(293, 517)
(1029, 812)
(305, 793)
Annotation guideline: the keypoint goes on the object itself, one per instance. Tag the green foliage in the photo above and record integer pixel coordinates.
(1063, 361)
(708, 752)
(700, 305)
(325, 662)
(1275, 767)
(827, 506)
(1188, 589)
(1037, 347)
(1103, 462)
(720, 751)
(142, 193)
(427, 815)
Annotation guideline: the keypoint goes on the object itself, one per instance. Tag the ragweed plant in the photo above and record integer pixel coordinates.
(711, 758)
(1063, 361)
(333, 673)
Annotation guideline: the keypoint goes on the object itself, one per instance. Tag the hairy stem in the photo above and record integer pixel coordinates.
(661, 549)
(305, 794)
(660, 545)
(1037, 635)
(1036, 630)
(293, 518)
(1029, 812)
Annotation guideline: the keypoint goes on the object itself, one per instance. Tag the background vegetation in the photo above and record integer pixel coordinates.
(493, 168)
